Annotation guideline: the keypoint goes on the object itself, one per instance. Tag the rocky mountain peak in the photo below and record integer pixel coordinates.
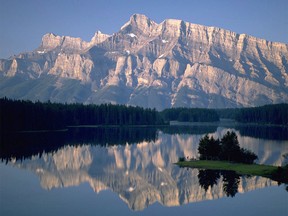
(139, 22)
(171, 64)
(51, 41)
(99, 37)
(174, 27)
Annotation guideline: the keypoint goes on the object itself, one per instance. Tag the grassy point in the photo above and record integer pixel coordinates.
(243, 169)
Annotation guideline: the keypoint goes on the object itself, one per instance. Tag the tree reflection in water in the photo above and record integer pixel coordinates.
(209, 178)
(137, 163)
(230, 182)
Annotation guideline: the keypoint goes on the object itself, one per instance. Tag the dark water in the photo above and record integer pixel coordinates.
(130, 171)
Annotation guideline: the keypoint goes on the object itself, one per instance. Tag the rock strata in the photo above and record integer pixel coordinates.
(170, 64)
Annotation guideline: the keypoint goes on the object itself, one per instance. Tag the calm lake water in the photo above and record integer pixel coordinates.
(130, 171)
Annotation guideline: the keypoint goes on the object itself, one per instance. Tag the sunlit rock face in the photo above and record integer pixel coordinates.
(143, 173)
(170, 64)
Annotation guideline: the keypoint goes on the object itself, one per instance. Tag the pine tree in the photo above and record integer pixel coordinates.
(230, 148)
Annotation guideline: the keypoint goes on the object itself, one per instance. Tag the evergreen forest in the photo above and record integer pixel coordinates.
(21, 115)
(26, 115)
(269, 114)
(190, 115)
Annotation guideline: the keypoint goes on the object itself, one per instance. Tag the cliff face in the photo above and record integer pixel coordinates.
(170, 64)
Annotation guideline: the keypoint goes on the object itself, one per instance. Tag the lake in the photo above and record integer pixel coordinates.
(131, 171)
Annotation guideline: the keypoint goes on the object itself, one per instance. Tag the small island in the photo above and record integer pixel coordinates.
(226, 155)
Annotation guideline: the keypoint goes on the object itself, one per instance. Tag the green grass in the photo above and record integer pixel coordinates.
(243, 169)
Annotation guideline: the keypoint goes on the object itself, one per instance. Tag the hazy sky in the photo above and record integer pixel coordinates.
(24, 22)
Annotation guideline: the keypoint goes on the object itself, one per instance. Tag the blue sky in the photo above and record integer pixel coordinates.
(24, 22)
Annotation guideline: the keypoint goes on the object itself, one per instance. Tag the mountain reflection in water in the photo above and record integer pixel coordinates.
(137, 163)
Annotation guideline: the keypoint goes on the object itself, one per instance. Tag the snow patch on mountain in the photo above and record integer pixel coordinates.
(132, 35)
(171, 64)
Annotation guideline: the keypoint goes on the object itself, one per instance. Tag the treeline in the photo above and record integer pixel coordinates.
(228, 113)
(190, 115)
(17, 115)
(269, 114)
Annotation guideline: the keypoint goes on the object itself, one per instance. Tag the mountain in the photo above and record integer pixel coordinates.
(171, 64)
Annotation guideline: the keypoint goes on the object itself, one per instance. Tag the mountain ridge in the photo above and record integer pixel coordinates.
(171, 64)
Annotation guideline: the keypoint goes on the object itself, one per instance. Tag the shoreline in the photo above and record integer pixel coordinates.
(267, 171)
